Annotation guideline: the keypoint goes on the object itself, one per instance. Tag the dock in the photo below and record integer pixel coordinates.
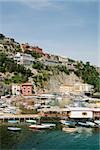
(18, 117)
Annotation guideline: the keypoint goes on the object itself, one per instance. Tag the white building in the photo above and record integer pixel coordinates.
(22, 58)
(16, 89)
(80, 112)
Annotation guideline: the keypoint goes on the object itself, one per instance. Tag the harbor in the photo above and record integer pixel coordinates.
(50, 139)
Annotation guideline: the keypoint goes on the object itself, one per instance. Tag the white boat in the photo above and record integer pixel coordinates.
(49, 124)
(13, 121)
(68, 123)
(83, 124)
(91, 124)
(39, 126)
(97, 122)
(69, 130)
(31, 121)
(14, 129)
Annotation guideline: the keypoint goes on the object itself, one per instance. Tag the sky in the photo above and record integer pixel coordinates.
(69, 28)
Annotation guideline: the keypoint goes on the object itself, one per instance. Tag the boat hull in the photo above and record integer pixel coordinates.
(40, 127)
(14, 129)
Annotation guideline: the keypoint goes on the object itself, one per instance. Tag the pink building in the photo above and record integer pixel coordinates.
(27, 89)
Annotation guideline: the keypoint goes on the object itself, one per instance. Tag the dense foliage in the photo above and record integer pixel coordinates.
(34, 54)
(89, 74)
(21, 74)
(37, 65)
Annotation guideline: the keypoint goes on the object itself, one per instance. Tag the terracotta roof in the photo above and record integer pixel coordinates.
(27, 84)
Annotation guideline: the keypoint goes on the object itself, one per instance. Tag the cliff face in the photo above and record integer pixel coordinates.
(56, 81)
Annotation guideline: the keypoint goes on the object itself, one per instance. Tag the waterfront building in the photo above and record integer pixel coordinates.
(26, 89)
(80, 112)
(72, 112)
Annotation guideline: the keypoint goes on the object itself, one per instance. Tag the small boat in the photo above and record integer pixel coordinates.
(14, 129)
(39, 126)
(83, 124)
(68, 123)
(13, 121)
(97, 122)
(49, 124)
(91, 124)
(31, 121)
(69, 130)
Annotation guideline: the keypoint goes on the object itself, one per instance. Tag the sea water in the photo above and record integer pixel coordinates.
(56, 139)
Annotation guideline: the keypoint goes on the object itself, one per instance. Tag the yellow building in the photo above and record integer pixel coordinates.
(76, 88)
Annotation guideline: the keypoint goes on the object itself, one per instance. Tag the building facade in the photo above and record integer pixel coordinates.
(22, 58)
(78, 88)
(26, 89)
(16, 89)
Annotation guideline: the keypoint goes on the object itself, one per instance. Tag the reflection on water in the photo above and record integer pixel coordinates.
(86, 138)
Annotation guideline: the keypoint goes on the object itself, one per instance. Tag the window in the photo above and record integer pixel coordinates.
(84, 114)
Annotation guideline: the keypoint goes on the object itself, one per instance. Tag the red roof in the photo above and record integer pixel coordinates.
(27, 84)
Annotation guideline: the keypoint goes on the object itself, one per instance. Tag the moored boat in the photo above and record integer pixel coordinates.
(49, 124)
(68, 123)
(91, 124)
(13, 121)
(14, 129)
(39, 126)
(97, 122)
(31, 121)
(83, 124)
(69, 130)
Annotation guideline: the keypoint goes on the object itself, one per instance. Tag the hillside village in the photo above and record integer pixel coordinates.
(31, 78)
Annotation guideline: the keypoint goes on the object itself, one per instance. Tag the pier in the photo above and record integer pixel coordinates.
(18, 117)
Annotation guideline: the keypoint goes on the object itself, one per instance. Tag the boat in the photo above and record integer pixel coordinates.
(68, 123)
(91, 124)
(31, 121)
(97, 122)
(83, 124)
(13, 121)
(39, 126)
(49, 124)
(14, 129)
(69, 130)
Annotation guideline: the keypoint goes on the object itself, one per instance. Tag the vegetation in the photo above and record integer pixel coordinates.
(18, 48)
(21, 74)
(63, 69)
(89, 74)
(34, 54)
(37, 65)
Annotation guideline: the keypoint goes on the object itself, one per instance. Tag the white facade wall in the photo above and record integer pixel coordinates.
(81, 114)
(66, 89)
(16, 90)
(22, 58)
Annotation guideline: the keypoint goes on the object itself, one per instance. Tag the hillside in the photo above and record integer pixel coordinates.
(46, 71)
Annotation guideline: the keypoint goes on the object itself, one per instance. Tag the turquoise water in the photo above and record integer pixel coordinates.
(49, 139)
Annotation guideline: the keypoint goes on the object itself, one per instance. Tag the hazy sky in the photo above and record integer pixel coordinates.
(64, 27)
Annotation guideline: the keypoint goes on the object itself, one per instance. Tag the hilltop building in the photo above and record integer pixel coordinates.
(24, 59)
(27, 47)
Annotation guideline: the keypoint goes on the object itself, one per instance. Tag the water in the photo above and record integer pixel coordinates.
(88, 139)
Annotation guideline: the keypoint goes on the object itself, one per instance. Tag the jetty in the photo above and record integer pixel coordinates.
(19, 117)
